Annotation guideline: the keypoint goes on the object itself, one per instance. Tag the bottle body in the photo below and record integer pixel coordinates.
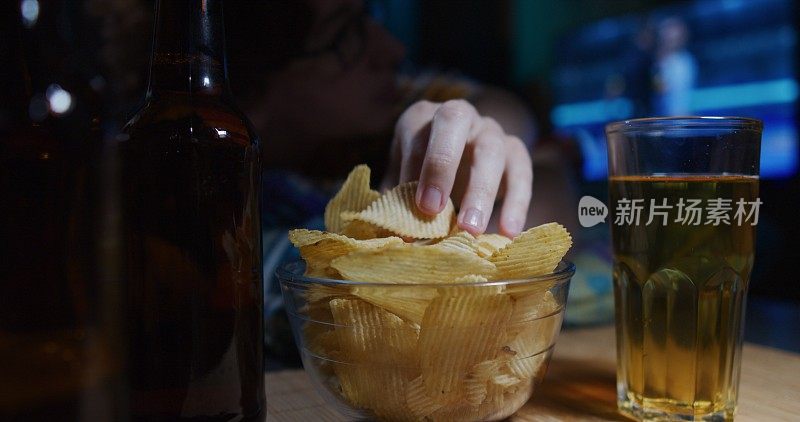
(190, 174)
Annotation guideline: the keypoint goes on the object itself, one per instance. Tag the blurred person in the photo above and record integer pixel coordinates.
(321, 76)
(675, 69)
(639, 63)
(319, 80)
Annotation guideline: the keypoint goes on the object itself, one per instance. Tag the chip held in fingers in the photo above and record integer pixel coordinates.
(425, 325)
(397, 212)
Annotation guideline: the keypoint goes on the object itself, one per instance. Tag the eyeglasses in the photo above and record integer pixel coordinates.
(348, 44)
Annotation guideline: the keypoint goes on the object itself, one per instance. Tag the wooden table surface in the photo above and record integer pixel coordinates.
(580, 385)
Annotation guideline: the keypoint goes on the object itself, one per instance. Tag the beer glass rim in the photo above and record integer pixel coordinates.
(685, 122)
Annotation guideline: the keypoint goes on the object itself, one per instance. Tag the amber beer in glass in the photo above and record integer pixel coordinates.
(684, 209)
(190, 174)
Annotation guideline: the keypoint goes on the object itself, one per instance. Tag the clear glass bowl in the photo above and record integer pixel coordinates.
(458, 351)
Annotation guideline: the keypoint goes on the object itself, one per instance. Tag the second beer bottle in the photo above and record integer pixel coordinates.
(190, 174)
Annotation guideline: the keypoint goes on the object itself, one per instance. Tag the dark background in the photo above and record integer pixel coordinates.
(517, 43)
(507, 43)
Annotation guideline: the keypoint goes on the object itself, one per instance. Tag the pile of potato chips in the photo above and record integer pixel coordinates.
(418, 334)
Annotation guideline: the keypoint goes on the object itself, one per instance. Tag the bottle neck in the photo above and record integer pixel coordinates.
(189, 49)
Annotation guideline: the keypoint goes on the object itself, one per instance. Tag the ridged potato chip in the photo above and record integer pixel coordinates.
(370, 334)
(493, 241)
(457, 413)
(495, 395)
(418, 401)
(355, 195)
(533, 306)
(536, 251)
(475, 391)
(501, 401)
(490, 410)
(499, 404)
(533, 330)
(319, 337)
(462, 242)
(376, 388)
(514, 399)
(485, 398)
(472, 278)
(456, 333)
(318, 248)
(476, 383)
(304, 237)
(397, 212)
(408, 304)
(484, 245)
(522, 290)
(319, 292)
(470, 291)
(505, 380)
(361, 230)
(425, 242)
(486, 369)
(530, 367)
(372, 341)
(321, 343)
(410, 264)
(536, 337)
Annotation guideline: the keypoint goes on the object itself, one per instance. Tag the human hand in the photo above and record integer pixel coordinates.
(454, 150)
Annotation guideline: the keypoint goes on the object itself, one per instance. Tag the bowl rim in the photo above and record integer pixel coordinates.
(287, 273)
(303, 350)
(685, 122)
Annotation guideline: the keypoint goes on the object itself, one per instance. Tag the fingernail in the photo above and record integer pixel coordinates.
(431, 200)
(473, 217)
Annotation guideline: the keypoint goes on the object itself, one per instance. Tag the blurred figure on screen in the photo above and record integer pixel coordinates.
(639, 61)
(675, 69)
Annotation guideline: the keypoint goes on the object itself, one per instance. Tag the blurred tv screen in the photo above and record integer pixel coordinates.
(705, 57)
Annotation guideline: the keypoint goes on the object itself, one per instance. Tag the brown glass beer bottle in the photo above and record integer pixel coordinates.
(190, 174)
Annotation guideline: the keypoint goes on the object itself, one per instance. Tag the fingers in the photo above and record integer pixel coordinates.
(450, 129)
(411, 140)
(518, 181)
(485, 175)
(429, 144)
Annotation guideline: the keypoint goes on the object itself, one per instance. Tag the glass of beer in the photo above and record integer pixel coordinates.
(684, 208)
